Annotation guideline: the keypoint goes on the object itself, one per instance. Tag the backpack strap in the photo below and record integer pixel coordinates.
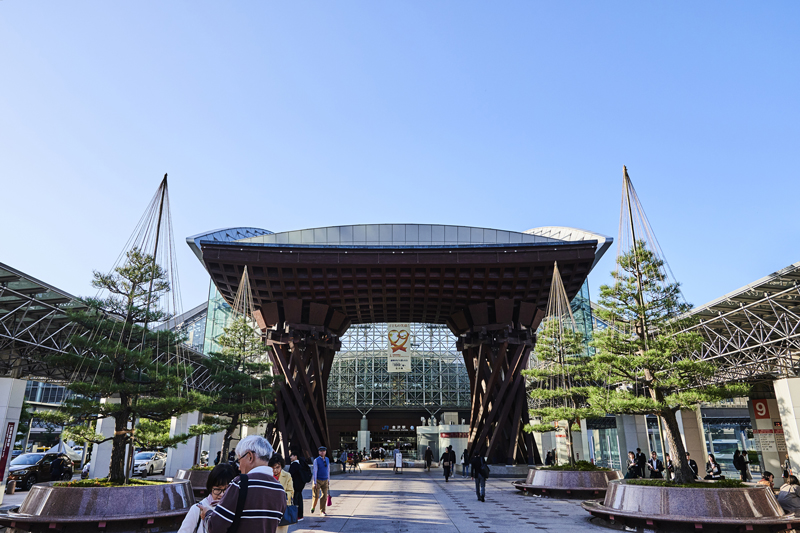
(243, 484)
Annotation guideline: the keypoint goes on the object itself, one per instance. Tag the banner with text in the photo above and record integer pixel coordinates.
(399, 353)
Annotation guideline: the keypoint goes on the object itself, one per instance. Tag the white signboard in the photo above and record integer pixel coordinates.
(780, 441)
(766, 440)
(399, 347)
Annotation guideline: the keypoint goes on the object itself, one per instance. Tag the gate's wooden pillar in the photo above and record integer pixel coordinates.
(496, 340)
(304, 341)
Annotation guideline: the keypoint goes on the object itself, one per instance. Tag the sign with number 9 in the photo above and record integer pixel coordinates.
(761, 409)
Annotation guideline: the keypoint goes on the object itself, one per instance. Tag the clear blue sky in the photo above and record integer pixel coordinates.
(299, 114)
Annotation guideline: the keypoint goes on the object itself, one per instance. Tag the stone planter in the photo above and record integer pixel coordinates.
(567, 483)
(752, 508)
(141, 508)
(198, 479)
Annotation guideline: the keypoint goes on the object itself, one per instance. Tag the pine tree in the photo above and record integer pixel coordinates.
(562, 380)
(643, 360)
(243, 381)
(117, 359)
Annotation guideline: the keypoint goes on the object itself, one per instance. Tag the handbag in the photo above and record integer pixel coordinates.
(485, 470)
(330, 500)
(289, 515)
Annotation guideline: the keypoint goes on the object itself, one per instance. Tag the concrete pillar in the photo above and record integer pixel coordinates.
(101, 453)
(581, 440)
(692, 434)
(632, 434)
(363, 438)
(12, 394)
(183, 456)
(780, 416)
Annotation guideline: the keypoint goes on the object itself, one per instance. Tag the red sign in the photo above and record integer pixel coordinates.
(764, 431)
(761, 409)
(454, 435)
(8, 443)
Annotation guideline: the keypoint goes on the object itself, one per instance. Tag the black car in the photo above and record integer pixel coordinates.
(30, 468)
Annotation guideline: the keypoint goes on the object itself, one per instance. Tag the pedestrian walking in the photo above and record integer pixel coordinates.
(219, 456)
(283, 477)
(480, 472)
(447, 463)
(301, 474)
(655, 466)
(343, 460)
(464, 464)
(428, 458)
(548, 459)
(263, 509)
(218, 480)
(57, 468)
(320, 477)
(739, 464)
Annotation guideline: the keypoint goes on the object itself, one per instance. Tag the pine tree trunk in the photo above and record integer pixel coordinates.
(226, 441)
(116, 470)
(683, 473)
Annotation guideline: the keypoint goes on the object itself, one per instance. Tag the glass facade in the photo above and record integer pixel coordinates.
(219, 316)
(359, 377)
(36, 391)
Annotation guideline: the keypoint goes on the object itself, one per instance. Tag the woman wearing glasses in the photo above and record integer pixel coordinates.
(218, 481)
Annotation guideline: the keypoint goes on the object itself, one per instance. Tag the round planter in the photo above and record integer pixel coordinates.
(567, 483)
(134, 508)
(198, 479)
(752, 508)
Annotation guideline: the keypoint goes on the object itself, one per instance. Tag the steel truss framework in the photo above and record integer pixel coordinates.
(34, 324)
(360, 377)
(753, 334)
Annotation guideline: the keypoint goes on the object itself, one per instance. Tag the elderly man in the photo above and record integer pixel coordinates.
(263, 500)
(320, 474)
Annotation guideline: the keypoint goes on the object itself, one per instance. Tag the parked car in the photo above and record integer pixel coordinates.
(148, 463)
(31, 468)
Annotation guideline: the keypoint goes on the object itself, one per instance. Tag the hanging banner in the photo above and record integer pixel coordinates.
(399, 347)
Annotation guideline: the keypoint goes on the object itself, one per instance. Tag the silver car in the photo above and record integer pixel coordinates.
(149, 463)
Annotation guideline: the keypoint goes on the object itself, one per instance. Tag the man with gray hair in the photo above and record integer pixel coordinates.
(255, 495)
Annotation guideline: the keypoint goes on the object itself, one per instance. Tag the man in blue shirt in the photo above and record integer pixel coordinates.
(320, 475)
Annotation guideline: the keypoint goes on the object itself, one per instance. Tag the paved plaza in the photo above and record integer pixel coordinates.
(378, 501)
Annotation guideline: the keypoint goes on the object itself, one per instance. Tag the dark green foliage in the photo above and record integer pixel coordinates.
(643, 360)
(579, 466)
(721, 484)
(561, 381)
(118, 358)
(244, 383)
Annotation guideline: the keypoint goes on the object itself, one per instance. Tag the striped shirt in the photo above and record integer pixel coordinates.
(263, 508)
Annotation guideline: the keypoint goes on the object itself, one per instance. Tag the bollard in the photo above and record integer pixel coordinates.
(11, 486)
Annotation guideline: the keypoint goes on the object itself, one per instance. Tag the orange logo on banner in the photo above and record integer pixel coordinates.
(396, 344)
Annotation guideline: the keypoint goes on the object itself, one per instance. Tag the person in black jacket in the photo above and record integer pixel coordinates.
(297, 482)
(447, 463)
(655, 466)
(476, 467)
(692, 464)
(633, 471)
(641, 461)
(428, 458)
